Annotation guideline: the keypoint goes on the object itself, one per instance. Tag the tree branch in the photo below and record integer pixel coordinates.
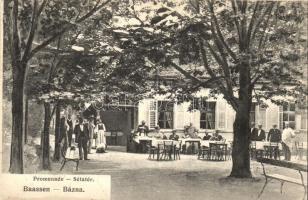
(220, 36)
(252, 21)
(65, 28)
(222, 62)
(91, 12)
(265, 27)
(234, 7)
(258, 23)
(185, 73)
(53, 109)
(32, 31)
(16, 46)
(228, 95)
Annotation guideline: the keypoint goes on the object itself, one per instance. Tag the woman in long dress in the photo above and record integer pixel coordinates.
(101, 138)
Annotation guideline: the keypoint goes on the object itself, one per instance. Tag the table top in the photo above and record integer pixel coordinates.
(190, 139)
(207, 143)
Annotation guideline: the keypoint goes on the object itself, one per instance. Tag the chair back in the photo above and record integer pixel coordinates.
(168, 144)
(160, 144)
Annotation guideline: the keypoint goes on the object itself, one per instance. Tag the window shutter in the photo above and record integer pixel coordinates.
(261, 116)
(280, 117)
(152, 114)
(221, 111)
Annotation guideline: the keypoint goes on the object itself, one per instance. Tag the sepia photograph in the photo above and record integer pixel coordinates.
(154, 99)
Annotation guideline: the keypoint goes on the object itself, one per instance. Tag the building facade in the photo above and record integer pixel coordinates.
(209, 114)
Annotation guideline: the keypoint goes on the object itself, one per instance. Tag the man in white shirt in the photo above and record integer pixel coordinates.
(287, 135)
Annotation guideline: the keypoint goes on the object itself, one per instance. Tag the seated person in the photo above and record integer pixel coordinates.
(207, 136)
(143, 129)
(216, 136)
(191, 131)
(159, 134)
(173, 136)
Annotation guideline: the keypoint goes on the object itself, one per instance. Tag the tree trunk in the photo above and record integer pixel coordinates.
(45, 161)
(241, 142)
(56, 155)
(26, 118)
(16, 156)
(241, 137)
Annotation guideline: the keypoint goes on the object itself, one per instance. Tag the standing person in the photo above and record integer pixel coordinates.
(69, 122)
(101, 137)
(274, 134)
(91, 133)
(287, 135)
(82, 136)
(253, 132)
(260, 135)
(143, 129)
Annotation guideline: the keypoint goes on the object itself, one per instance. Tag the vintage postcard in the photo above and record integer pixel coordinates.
(153, 99)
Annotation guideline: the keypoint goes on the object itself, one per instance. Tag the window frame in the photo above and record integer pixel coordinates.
(206, 110)
(287, 113)
(165, 109)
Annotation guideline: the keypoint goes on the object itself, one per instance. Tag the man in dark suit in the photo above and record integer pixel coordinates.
(82, 137)
(260, 134)
(274, 135)
(253, 132)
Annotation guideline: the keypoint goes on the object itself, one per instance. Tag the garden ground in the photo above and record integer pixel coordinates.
(133, 177)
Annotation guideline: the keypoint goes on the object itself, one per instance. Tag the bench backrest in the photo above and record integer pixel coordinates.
(282, 163)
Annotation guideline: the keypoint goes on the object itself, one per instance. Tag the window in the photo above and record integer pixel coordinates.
(207, 115)
(288, 115)
(253, 113)
(165, 114)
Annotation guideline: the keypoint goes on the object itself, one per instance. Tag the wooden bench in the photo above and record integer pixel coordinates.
(295, 166)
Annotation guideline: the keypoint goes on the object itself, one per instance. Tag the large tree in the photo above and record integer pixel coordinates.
(30, 26)
(240, 49)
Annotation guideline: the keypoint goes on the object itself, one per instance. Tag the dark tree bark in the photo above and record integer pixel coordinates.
(45, 160)
(241, 142)
(26, 118)
(241, 137)
(16, 157)
(56, 155)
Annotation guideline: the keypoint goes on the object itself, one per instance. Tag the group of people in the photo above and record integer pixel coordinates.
(275, 135)
(88, 134)
(190, 131)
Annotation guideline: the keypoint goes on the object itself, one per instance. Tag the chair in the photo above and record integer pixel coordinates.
(167, 150)
(299, 149)
(66, 158)
(152, 150)
(253, 150)
(218, 151)
(177, 150)
(229, 151)
(204, 151)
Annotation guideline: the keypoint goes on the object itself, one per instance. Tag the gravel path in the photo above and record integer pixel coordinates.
(134, 177)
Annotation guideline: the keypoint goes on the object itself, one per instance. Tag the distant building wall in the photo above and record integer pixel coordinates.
(149, 111)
